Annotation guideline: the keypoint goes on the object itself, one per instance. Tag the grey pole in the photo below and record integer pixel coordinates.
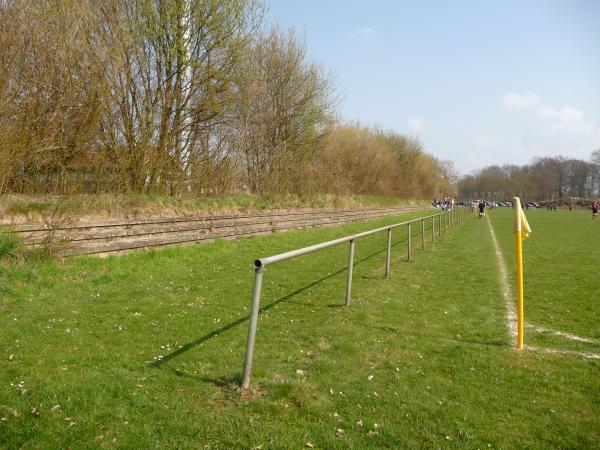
(423, 234)
(389, 253)
(350, 264)
(433, 229)
(439, 225)
(409, 249)
(252, 325)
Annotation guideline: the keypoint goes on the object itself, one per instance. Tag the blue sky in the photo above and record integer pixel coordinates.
(479, 82)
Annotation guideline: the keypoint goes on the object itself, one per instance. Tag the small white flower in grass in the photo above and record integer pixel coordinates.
(370, 377)
(359, 423)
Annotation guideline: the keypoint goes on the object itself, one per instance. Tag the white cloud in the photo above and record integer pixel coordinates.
(526, 100)
(416, 125)
(366, 31)
(551, 120)
(564, 128)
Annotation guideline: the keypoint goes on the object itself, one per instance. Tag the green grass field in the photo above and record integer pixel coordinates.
(562, 271)
(145, 350)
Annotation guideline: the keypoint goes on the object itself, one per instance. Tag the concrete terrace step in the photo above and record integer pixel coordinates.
(120, 236)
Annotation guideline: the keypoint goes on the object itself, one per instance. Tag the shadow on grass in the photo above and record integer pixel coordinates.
(241, 320)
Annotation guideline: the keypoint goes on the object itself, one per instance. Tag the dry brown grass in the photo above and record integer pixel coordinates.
(16, 209)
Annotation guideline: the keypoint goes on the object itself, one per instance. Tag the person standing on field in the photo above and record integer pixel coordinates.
(481, 209)
(595, 207)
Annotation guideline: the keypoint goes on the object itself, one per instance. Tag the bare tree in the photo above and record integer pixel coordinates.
(283, 105)
(172, 84)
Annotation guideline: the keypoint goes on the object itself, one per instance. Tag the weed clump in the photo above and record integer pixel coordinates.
(9, 245)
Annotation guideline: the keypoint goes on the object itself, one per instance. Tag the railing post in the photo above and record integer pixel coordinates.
(409, 244)
(422, 234)
(252, 325)
(433, 229)
(389, 253)
(350, 264)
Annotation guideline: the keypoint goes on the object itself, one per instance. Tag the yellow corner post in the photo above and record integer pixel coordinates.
(521, 230)
(519, 244)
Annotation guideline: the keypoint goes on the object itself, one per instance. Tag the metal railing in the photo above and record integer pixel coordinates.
(445, 221)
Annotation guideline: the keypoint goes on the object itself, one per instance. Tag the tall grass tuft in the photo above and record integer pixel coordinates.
(9, 244)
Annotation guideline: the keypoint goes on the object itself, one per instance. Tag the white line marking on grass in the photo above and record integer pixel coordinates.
(511, 315)
(555, 351)
(572, 337)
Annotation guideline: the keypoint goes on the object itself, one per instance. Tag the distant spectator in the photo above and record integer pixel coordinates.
(481, 209)
(595, 207)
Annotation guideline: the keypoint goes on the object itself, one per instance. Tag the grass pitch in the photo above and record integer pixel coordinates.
(145, 350)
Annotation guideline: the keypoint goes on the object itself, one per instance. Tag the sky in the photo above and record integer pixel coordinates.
(478, 82)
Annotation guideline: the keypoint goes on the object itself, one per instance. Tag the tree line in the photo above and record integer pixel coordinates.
(182, 97)
(545, 179)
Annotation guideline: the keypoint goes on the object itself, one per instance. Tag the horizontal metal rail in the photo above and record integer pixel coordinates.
(445, 220)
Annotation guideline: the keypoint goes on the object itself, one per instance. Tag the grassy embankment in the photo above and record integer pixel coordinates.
(145, 350)
(19, 208)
